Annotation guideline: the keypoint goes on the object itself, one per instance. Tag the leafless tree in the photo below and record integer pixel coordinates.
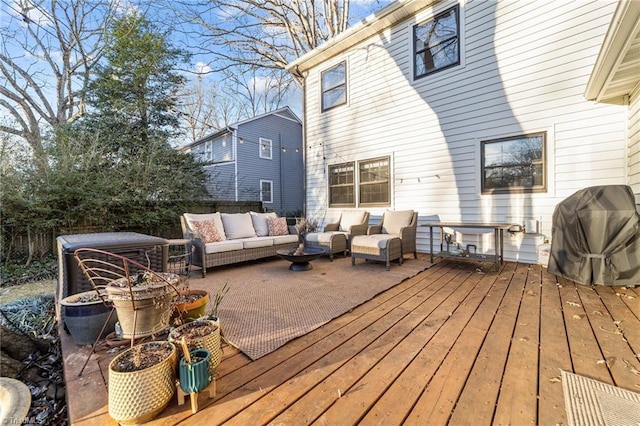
(259, 92)
(47, 52)
(266, 34)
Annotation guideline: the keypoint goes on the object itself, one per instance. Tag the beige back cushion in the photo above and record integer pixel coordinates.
(396, 219)
(260, 222)
(217, 221)
(349, 219)
(238, 225)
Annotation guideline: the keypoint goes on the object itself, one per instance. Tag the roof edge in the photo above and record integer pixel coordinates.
(624, 25)
(369, 26)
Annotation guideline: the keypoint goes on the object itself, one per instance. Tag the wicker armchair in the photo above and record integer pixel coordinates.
(395, 223)
(337, 236)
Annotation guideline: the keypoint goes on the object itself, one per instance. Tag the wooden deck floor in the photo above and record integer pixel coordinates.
(448, 346)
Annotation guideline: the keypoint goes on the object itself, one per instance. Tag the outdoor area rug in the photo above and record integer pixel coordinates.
(590, 402)
(267, 304)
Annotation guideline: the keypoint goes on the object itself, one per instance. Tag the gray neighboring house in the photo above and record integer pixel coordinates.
(260, 158)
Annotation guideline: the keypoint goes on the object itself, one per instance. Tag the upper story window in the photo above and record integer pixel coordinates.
(374, 186)
(514, 164)
(334, 86)
(218, 150)
(341, 185)
(266, 148)
(437, 43)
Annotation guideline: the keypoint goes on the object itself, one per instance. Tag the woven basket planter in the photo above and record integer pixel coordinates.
(138, 396)
(153, 306)
(210, 341)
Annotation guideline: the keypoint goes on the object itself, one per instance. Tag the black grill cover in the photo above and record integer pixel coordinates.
(596, 237)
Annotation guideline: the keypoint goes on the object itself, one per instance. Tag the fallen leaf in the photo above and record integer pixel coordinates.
(577, 317)
(573, 304)
(555, 379)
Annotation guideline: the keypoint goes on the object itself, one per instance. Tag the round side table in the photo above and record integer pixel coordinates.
(180, 256)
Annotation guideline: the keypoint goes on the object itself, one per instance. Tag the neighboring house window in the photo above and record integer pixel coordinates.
(334, 86)
(514, 164)
(341, 185)
(266, 191)
(265, 148)
(208, 151)
(218, 150)
(374, 186)
(437, 43)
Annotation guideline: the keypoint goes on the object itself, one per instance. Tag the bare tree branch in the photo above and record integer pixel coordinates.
(47, 51)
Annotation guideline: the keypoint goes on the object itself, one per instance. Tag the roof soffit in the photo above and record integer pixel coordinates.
(617, 69)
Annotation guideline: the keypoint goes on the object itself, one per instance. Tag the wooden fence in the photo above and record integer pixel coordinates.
(16, 241)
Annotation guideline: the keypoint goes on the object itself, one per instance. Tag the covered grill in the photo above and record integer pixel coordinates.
(596, 237)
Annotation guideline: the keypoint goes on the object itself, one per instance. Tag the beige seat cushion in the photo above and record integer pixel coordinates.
(379, 241)
(349, 219)
(223, 246)
(394, 220)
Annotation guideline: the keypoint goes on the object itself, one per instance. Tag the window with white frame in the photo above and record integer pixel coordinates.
(266, 148)
(371, 186)
(514, 164)
(334, 86)
(437, 43)
(266, 191)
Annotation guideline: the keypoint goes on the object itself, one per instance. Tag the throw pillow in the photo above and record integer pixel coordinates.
(278, 226)
(207, 230)
(197, 217)
(238, 225)
(260, 223)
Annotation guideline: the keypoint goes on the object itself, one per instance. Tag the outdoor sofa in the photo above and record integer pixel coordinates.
(225, 238)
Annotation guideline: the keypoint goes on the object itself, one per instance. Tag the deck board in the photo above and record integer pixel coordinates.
(448, 346)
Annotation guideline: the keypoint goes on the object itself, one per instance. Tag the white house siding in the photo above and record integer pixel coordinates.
(634, 144)
(525, 67)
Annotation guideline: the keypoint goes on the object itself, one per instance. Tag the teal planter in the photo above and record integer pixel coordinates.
(195, 376)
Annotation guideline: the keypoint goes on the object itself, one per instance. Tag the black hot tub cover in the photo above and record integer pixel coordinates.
(596, 237)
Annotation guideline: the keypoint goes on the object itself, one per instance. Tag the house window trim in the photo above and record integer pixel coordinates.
(356, 183)
(346, 86)
(341, 205)
(270, 182)
(461, 44)
(359, 183)
(261, 141)
(548, 165)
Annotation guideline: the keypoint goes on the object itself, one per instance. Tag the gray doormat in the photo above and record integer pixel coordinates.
(590, 402)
